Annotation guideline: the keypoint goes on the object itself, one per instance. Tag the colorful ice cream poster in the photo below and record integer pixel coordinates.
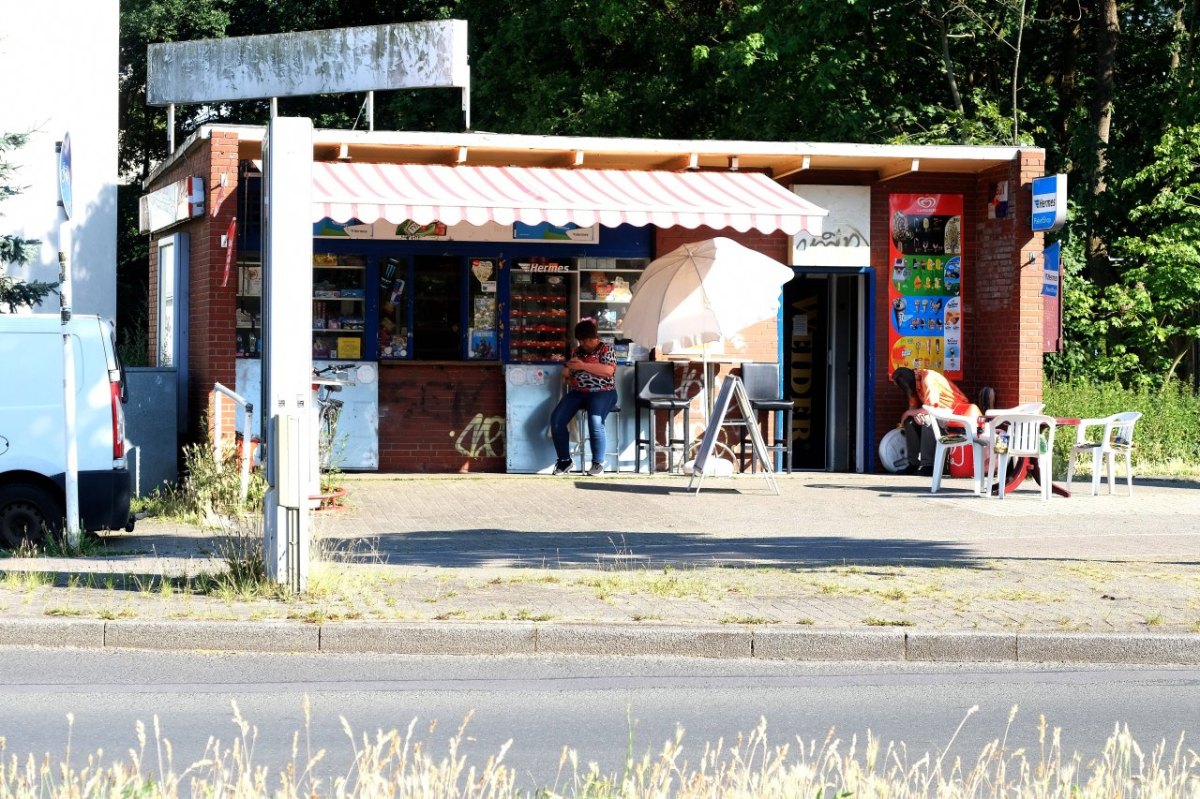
(925, 282)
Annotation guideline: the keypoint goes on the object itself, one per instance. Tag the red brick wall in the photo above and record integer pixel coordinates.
(211, 310)
(1002, 307)
(441, 417)
(1007, 342)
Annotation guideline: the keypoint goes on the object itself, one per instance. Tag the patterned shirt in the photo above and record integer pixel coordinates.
(588, 382)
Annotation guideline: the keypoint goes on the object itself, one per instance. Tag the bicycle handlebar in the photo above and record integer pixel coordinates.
(333, 368)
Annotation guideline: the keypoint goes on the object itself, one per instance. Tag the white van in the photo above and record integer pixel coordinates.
(32, 444)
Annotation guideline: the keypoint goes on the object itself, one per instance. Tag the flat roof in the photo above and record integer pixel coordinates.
(778, 159)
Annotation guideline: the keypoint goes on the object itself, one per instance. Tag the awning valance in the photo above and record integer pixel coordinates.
(426, 193)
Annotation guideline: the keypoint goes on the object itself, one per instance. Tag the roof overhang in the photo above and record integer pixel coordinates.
(779, 160)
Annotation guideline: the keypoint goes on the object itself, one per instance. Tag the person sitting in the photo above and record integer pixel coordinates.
(591, 385)
(926, 387)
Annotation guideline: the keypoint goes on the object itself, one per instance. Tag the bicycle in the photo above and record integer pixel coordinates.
(329, 408)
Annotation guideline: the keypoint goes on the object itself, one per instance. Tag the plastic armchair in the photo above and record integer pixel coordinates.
(948, 438)
(1026, 435)
(1115, 442)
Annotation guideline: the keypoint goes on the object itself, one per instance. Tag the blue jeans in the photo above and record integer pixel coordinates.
(598, 404)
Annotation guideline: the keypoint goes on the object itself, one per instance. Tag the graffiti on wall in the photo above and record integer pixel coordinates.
(483, 437)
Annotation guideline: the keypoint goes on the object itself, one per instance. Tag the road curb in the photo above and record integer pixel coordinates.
(704, 641)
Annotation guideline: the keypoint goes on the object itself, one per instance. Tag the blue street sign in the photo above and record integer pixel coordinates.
(64, 174)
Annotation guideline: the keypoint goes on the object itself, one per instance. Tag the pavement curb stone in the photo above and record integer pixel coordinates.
(218, 636)
(960, 646)
(661, 640)
(410, 638)
(1143, 648)
(785, 644)
(74, 633)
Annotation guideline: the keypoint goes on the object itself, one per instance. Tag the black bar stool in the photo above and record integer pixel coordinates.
(762, 387)
(654, 382)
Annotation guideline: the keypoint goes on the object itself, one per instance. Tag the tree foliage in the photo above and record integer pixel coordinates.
(1106, 87)
(14, 249)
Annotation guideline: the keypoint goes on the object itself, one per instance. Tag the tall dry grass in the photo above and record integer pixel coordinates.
(401, 764)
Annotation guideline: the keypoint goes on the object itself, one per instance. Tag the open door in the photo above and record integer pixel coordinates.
(825, 367)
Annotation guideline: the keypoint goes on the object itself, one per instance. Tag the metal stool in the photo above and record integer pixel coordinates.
(762, 388)
(582, 446)
(655, 385)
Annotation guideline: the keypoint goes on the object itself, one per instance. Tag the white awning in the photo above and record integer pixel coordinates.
(426, 193)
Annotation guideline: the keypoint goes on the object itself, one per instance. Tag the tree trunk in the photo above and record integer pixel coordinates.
(1099, 265)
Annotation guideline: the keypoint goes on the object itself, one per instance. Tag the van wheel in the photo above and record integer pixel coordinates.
(27, 513)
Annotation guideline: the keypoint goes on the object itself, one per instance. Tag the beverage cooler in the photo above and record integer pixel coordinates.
(540, 318)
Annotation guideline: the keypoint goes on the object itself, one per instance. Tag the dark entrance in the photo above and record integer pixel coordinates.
(824, 366)
(437, 308)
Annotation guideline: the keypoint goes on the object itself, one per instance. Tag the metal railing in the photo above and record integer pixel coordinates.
(247, 453)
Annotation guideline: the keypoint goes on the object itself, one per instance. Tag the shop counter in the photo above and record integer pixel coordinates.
(531, 391)
(356, 444)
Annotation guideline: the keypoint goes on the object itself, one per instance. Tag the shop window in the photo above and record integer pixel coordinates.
(482, 342)
(394, 313)
(437, 309)
(339, 298)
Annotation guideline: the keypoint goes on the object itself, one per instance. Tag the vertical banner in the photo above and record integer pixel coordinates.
(925, 328)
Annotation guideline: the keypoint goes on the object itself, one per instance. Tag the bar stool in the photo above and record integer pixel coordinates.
(654, 382)
(762, 388)
(582, 446)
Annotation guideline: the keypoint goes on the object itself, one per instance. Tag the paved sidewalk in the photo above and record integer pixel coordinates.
(836, 566)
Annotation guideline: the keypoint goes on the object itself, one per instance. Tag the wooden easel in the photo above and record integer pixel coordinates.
(731, 386)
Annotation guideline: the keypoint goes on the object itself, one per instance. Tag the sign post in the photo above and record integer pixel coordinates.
(287, 355)
(71, 478)
(1049, 202)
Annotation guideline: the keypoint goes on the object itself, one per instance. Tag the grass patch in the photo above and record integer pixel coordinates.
(875, 621)
(25, 581)
(1165, 439)
(731, 619)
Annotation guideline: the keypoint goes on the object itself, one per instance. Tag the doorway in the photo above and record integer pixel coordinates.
(437, 308)
(825, 365)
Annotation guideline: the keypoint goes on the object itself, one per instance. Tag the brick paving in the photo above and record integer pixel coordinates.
(832, 551)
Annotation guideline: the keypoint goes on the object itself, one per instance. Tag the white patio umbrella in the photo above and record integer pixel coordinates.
(703, 292)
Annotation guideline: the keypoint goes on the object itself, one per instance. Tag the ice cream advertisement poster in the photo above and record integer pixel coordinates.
(925, 279)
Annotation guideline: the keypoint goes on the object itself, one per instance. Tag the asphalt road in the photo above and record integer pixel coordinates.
(591, 704)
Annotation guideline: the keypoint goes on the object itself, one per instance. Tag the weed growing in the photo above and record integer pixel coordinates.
(405, 765)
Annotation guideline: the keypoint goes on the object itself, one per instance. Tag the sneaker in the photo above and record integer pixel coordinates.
(596, 470)
(562, 467)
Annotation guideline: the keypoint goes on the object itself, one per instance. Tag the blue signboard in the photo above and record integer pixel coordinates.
(1049, 202)
(64, 174)
(1051, 258)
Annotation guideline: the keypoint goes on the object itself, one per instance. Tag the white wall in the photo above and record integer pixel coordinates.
(59, 63)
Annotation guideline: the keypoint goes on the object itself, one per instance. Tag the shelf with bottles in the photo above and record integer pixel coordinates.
(539, 312)
(248, 308)
(338, 305)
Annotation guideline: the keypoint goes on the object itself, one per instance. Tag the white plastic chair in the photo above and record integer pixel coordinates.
(963, 435)
(1025, 439)
(1115, 442)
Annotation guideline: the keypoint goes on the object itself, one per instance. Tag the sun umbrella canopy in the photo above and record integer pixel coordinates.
(701, 292)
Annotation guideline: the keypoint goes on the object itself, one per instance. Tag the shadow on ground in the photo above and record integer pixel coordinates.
(485, 547)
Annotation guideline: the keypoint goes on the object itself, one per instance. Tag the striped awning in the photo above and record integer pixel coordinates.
(476, 195)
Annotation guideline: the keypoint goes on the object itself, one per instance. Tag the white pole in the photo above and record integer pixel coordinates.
(71, 478)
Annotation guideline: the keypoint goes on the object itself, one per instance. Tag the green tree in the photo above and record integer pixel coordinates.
(1160, 280)
(14, 249)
